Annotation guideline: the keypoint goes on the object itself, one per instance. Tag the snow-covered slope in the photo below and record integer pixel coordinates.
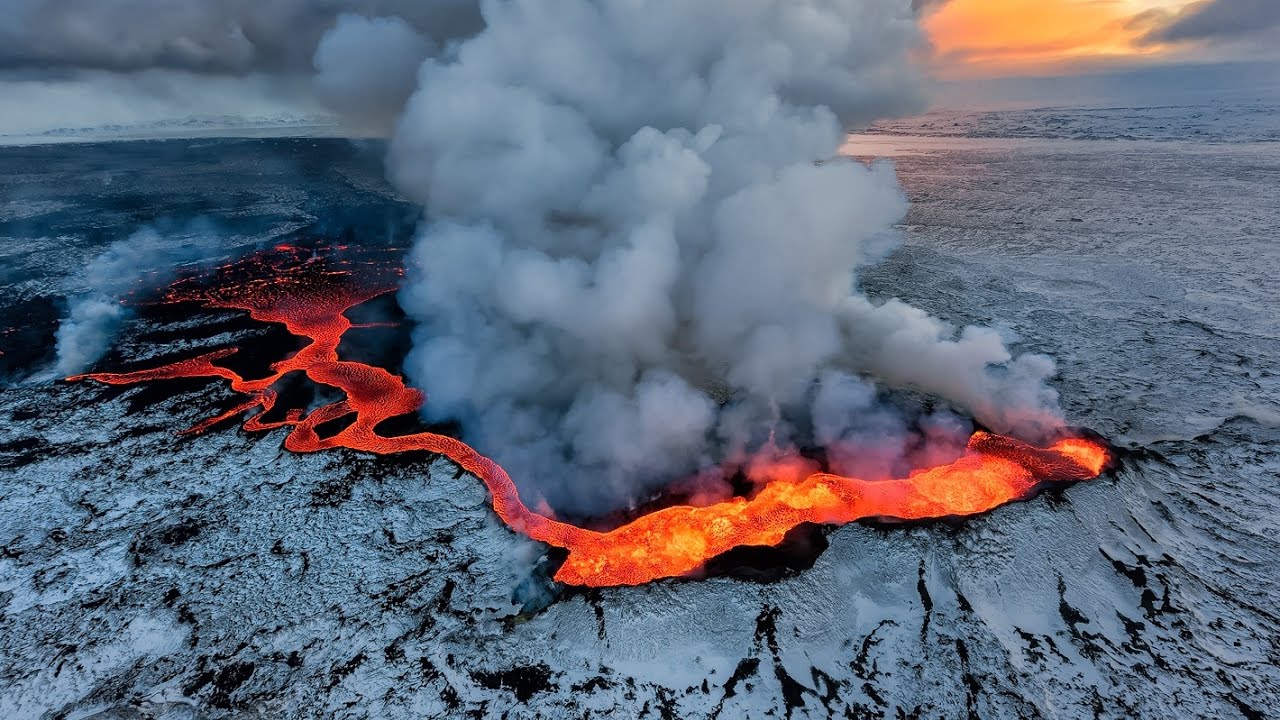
(1245, 121)
(144, 575)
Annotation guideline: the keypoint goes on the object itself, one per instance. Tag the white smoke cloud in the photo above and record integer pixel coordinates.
(145, 260)
(642, 247)
(867, 438)
(906, 347)
(366, 69)
(85, 335)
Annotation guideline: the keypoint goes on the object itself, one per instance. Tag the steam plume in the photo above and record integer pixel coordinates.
(366, 68)
(642, 248)
(95, 315)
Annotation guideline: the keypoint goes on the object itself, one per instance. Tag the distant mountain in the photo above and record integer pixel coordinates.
(277, 125)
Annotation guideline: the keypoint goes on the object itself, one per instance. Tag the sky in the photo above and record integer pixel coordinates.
(1001, 38)
(993, 54)
(991, 38)
(93, 63)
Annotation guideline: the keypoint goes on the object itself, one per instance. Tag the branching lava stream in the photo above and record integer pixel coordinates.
(310, 297)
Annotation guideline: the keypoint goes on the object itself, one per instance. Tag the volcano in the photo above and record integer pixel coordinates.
(310, 294)
(219, 575)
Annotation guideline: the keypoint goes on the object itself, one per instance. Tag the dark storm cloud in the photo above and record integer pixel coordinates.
(208, 36)
(1212, 21)
(922, 5)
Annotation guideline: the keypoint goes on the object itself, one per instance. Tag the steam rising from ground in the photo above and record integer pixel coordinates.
(94, 316)
(642, 249)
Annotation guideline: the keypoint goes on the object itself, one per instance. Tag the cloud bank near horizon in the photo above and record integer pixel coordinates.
(220, 37)
(1214, 22)
(95, 63)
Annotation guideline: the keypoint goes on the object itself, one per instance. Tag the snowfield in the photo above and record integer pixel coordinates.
(144, 575)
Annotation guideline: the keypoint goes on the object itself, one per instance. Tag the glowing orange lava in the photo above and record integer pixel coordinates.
(311, 298)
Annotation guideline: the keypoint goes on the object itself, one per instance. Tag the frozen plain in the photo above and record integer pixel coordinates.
(145, 576)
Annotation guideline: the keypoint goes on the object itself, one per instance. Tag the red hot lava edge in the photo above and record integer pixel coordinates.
(310, 297)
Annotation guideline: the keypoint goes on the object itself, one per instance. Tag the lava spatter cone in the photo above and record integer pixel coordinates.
(311, 299)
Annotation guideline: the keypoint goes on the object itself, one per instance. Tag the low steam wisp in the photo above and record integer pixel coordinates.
(146, 260)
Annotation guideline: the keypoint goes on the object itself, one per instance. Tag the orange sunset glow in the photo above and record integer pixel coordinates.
(1009, 37)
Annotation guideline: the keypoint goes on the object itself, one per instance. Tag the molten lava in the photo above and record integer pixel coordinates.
(310, 297)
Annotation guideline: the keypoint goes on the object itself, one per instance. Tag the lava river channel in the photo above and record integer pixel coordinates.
(310, 297)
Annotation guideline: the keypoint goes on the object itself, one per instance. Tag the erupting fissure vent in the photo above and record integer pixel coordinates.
(310, 297)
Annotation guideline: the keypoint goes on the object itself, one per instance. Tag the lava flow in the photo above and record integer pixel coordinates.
(310, 298)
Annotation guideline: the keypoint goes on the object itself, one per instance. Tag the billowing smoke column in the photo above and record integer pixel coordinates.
(642, 249)
(292, 287)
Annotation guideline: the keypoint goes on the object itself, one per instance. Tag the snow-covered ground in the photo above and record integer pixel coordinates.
(143, 575)
(267, 126)
(1240, 121)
